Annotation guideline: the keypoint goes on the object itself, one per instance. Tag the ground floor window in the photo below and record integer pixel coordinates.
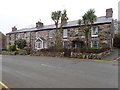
(77, 44)
(38, 44)
(94, 44)
(65, 44)
(51, 45)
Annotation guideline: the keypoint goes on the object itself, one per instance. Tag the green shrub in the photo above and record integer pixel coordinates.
(76, 50)
(12, 48)
(22, 52)
(28, 50)
(21, 43)
(53, 46)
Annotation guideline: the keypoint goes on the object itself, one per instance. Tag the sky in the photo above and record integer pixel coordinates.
(25, 13)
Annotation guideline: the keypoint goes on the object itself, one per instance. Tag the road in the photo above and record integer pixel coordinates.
(49, 72)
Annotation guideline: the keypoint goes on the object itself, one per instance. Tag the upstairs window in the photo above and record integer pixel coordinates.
(18, 35)
(50, 34)
(36, 34)
(94, 32)
(65, 33)
(25, 35)
(9, 37)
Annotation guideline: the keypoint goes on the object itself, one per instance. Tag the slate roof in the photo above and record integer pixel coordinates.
(100, 20)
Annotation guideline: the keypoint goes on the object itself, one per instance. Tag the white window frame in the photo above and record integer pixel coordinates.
(93, 33)
(25, 35)
(18, 35)
(36, 34)
(39, 43)
(50, 35)
(93, 45)
(65, 33)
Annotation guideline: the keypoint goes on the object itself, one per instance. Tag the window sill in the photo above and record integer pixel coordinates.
(94, 35)
(50, 37)
(65, 37)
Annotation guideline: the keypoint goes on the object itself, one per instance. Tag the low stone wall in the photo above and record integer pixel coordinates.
(61, 54)
(73, 54)
(52, 54)
(90, 55)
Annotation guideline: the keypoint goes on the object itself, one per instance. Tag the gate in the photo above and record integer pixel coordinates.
(67, 52)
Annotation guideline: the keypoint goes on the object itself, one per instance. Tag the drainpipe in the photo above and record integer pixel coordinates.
(30, 39)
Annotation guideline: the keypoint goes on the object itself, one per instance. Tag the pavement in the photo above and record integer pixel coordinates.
(49, 72)
(113, 56)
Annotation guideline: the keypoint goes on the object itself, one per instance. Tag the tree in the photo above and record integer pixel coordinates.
(64, 18)
(21, 43)
(86, 23)
(12, 47)
(56, 17)
(117, 40)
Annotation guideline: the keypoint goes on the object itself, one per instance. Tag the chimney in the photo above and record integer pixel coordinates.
(109, 12)
(39, 24)
(14, 28)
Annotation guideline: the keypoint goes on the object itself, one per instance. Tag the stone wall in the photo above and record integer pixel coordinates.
(105, 35)
(73, 54)
(2, 41)
(90, 55)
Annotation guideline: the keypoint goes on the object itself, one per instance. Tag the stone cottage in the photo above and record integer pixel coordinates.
(42, 36)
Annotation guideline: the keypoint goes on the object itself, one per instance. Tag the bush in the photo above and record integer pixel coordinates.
(12, 48)
(28, 50)
(22, 52)
(21, 43)
(53, 46)
(76, 50)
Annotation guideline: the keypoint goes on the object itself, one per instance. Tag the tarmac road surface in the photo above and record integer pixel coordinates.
(49, 72)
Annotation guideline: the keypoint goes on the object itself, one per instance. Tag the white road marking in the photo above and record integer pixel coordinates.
(50, 66)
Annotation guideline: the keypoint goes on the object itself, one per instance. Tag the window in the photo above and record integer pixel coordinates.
(94, 44)
(25, 36)
(65, 33)
(18, 35)
(51, 44)
(38, 44)
(65, 44)
(50, 34)
(36, 34)
(9, 37)
(94, 32)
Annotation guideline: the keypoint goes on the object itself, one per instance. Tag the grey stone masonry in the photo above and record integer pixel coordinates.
(74, 34)
(43, 36)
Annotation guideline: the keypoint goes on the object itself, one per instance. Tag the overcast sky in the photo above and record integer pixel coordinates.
(25, 13)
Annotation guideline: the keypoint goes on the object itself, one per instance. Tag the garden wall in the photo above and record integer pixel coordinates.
(72, 53)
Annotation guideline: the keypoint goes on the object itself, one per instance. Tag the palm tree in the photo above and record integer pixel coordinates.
(86, 24)
(64, 18)
(56, 17)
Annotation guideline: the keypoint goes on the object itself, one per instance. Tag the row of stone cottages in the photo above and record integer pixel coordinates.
(42, 36)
